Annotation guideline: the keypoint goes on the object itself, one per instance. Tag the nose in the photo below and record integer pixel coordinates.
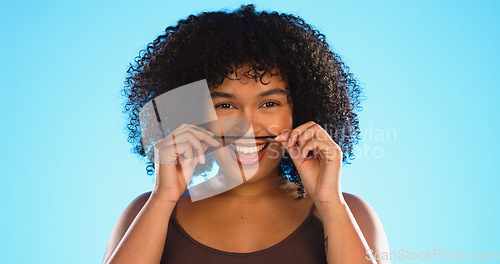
(239, 125)
(255, 121)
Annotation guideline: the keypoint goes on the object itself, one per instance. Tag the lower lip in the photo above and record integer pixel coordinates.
(251, 159)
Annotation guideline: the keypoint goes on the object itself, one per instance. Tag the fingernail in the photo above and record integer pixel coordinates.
(215, 141)
(201, 157)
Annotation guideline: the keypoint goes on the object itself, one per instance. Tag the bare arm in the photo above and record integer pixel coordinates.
(318, 160)
(140, 233)
(352, 231)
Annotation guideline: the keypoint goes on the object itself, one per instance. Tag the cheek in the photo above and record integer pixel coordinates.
(290, 122)
(286, 121)
(277, 125)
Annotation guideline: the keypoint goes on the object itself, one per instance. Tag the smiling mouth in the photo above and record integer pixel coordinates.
(248, 154)
(240, 149)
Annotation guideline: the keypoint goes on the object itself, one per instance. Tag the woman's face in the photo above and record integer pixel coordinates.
(267, 108)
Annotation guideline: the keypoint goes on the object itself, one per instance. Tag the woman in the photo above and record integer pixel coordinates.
(278, 73)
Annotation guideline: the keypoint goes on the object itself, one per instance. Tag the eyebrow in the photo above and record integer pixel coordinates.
(274, 91)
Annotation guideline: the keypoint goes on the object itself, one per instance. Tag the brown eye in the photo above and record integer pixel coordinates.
(224, 106)
(270, 104)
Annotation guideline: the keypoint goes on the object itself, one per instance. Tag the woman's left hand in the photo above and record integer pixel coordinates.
(320, 173)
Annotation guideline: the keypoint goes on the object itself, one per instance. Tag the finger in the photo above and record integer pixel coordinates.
(165, 155)
(183, 128)
(293, 137)
(314, 145)
(186, 150)
(205, 145)
(283, 136)
(189, 166)
(322, 148)
(294, 153)
(188, 145)
(202, 136)
(189, 135)
(199, 128)
(315, 131)
(200, 132)
(197, 147)
(186, 163)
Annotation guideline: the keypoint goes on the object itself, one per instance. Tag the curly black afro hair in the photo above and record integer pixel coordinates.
(209, 45)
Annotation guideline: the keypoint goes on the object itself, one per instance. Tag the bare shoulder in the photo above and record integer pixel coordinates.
(137, 203)
(364, 214)
(124, 222)
(133, 209)
(360, 208)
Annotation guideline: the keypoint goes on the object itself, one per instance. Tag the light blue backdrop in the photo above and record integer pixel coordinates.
(428, 163)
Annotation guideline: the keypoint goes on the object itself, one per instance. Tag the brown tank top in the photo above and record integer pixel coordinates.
(304, 245)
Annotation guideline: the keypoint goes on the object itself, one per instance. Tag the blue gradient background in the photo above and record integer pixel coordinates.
(428, 163)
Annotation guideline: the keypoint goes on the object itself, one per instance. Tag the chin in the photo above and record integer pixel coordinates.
(268, 165)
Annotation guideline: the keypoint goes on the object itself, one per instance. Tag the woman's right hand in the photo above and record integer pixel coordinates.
(176, 157)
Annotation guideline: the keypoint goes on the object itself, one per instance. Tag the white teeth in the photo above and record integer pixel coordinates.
(249, 149)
